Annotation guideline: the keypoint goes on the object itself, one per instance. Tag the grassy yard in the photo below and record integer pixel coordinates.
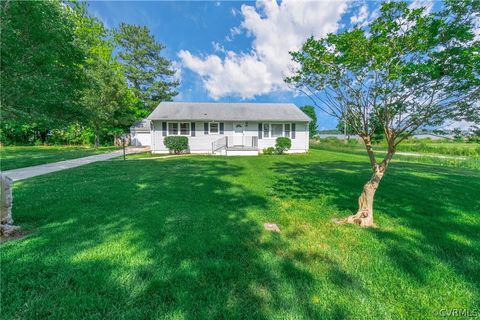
(20, 157)
(183, 238)
(423, 146)
(468, 153)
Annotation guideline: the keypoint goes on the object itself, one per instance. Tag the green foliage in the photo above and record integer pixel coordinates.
(282, 144)
(269, 151)
(107, 99)
(148, 72)
(74, 134)
(344, 128)
(312, 127)
(176, 144)
(404, 70)
(42, 75)
(59, 70)
(474, 135)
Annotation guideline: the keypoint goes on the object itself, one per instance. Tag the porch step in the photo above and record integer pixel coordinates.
(241, 151)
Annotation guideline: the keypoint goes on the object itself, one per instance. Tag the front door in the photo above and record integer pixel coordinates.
(238, 128)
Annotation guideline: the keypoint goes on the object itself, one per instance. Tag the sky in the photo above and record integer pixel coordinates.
(229, 51)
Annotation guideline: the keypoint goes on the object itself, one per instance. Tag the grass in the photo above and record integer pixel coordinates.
(183, 238)
(442, 159)
(424, 146)
(20, 157)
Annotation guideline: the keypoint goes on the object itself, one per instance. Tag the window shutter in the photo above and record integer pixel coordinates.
(205, 128)
(293, 130)
(260, 130)
(192, 129)
(221, 128)
(164, 129)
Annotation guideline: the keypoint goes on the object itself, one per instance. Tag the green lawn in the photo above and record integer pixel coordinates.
(182, 238)
(423, 146)
(20, 157)
(423, 157)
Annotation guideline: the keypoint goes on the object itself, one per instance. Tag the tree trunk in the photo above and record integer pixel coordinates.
(364, 215)
(97, 138)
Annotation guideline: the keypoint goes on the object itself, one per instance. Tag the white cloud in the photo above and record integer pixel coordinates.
(217, 47)
(427, 4)
(177, 76)
(361, 16)
(462, 125)
(276, 29)
(476, 26)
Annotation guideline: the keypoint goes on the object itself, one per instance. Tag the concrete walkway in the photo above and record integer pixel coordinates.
(29, 172)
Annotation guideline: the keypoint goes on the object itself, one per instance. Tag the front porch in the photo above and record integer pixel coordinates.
(236, 146)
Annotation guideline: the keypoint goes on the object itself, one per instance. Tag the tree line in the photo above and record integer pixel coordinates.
(67, 79)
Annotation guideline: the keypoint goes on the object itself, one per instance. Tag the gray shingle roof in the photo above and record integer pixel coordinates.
(141, 126)
(226, 111)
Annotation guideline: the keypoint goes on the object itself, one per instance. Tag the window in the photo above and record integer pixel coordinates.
(276, 129)
(172, 128)
(266, 129)
(185, 128)
(213, 127)
(287, 130)
(176, 128)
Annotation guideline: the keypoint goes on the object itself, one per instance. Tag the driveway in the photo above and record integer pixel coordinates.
(29, 172)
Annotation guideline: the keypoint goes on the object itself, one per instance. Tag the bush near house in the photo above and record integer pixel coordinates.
(269, 151)
(176, 144)
(282, 144)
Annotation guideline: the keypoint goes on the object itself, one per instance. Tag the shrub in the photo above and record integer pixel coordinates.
(282, 144)
(269, 151)
(177, 144)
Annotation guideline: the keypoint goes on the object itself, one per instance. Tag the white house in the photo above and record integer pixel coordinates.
(229, 128)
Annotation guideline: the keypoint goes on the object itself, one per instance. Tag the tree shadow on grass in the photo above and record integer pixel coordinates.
(438, 206)
(155, 239)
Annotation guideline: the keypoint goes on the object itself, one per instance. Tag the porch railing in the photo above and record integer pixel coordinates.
(219, 144)
(234, 141)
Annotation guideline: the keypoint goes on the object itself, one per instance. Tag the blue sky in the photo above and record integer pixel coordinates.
(236, 51)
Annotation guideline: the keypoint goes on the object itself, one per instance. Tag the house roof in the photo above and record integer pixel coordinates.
(141, 126)
(226, 111)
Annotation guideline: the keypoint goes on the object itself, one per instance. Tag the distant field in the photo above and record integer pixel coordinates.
(454, 154)
(20, 157)
(447, 148)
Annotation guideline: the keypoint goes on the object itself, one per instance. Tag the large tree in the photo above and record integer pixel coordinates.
(109, 103)
(312, 126)
(41, 64)
(406, 69)
(149, 73)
